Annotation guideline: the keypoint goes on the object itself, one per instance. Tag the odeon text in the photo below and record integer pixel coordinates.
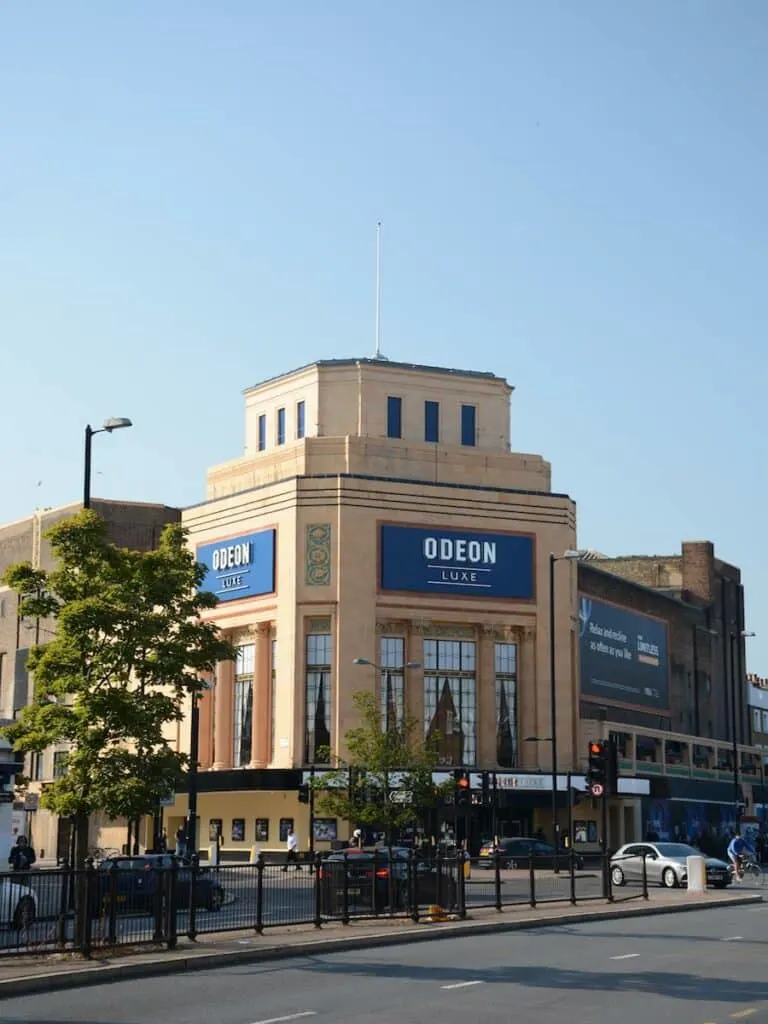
(460, 552)
(232, 556)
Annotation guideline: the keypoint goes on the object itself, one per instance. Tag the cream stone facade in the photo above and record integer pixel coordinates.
(380, 514)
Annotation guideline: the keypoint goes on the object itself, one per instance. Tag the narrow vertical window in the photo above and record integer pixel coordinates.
(506, 705)
(300, 407)
(391, 686)
(317, 699)
(432, 422)
(468, 426)
(262, 432)
(281, 426)
(394, 417)
(243, 724)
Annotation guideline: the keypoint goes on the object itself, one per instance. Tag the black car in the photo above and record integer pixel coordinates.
(517, 853)
(138, 883)
(374, 882)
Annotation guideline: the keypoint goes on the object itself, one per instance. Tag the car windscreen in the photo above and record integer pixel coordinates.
(677, 850)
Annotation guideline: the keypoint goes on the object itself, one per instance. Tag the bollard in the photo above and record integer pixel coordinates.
(194, 869)
(572, 869)
(255, 854)
(113, 893)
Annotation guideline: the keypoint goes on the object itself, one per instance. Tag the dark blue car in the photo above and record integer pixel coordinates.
(136, 883)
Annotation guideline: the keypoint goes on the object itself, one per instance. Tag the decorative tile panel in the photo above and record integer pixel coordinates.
(318, 555)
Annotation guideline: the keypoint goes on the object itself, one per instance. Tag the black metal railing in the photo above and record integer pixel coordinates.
(113, 905)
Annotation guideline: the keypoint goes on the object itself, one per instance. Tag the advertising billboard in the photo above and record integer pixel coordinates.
(239, 567)
(623, 655)
(429, 560)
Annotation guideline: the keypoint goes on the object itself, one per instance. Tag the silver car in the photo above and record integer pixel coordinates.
(665, 864)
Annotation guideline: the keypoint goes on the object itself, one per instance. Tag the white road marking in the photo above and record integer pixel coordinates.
(625, 956)
(733, 938)
(290, 1016)
(462, 984)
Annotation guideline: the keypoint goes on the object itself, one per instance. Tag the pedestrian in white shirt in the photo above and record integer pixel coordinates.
(292, 845)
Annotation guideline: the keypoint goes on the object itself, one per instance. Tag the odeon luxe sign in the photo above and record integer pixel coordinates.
(239, 567)
(426, 560)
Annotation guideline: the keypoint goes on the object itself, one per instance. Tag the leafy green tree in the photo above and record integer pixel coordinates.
(381, 761)
(128, 651)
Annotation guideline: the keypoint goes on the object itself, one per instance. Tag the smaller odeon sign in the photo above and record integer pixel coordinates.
(239, 567)
(428, 560)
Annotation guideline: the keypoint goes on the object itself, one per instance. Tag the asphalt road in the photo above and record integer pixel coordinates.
(702, 968)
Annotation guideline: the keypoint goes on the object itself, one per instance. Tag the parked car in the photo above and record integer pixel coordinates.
(665, 864)
(516, 852)
(139, 879)
(372, 877)
(18, 904)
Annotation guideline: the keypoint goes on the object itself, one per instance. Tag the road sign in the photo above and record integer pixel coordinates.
(400, 796)
(597, 789)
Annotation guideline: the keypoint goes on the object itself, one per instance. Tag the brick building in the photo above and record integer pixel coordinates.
(662, 665)
(129, 524)
(702, 597)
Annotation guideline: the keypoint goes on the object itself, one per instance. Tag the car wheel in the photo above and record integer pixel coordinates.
(24, 915)
(669, 878)
(215, 900)
(617, 876)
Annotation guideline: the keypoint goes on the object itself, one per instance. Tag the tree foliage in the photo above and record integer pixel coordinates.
(381, 761)
(128, 651)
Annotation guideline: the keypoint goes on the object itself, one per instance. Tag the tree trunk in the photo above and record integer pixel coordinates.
(82, 911)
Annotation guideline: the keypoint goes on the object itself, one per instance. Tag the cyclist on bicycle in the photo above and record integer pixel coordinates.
(738, 848)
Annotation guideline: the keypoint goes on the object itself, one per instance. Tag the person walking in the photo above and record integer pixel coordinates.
(22, 856)
(292, 846)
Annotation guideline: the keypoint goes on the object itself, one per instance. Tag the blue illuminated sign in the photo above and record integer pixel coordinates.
(239, 566)
(436, 561)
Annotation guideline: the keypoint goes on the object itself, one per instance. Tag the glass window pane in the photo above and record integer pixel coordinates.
(244, 661)
(392, 652)
(262, 432)
(430, 654)
(281, 426)
(300, 420)
(506, 659)
(319, 650)
(432, 422)
(394, 417)
(468, 430)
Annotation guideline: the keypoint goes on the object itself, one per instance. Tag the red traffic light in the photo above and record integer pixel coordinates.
(463, 782)
(595, 748)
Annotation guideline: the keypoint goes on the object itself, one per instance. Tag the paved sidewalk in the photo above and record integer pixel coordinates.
(28, 974)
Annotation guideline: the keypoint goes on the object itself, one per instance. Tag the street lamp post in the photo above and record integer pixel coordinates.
(733, 637)
(553, 559)
(190, 824)
(115, 423)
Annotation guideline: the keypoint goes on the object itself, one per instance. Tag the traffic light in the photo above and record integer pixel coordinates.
(597, 772)
(603, 767)
(304, 794)
(463, 794)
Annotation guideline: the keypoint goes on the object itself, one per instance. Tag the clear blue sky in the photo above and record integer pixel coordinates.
(573, 196)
